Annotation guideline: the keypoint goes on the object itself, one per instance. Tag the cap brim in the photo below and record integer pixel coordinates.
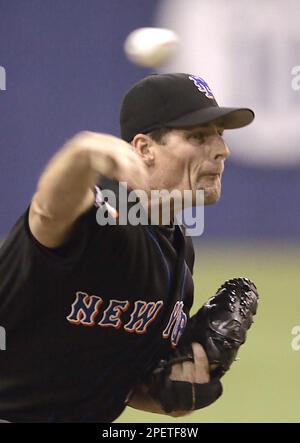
(231, 118)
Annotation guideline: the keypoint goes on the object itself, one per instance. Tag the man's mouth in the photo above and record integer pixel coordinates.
(212, 174)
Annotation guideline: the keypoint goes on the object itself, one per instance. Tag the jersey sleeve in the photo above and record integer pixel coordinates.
(73, 248)
(86, 232)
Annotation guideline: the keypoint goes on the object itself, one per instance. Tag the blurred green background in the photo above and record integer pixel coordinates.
(264, 385)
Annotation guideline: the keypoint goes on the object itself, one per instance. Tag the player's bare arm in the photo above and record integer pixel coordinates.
(65, 189)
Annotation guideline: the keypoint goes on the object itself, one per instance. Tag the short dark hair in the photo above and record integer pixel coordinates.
(158, 135)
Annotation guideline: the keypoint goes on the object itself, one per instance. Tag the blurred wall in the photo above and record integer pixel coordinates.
(66, 72)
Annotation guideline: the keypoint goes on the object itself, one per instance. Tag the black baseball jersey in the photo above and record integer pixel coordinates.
(84, 323)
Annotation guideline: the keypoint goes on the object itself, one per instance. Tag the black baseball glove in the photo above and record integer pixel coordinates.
(220, 326)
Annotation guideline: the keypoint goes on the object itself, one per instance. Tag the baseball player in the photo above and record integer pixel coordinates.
(97, 316)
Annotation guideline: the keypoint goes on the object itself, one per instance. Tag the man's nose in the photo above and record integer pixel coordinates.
(221, 150)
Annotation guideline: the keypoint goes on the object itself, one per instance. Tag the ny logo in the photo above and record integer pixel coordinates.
(202, 86)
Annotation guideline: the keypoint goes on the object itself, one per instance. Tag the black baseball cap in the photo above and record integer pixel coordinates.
(175, 101)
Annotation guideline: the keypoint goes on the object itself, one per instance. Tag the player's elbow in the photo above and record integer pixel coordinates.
(39, 210)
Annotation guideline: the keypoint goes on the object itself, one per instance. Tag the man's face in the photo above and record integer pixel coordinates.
(191, 159)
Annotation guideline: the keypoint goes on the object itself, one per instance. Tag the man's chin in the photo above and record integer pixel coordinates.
(211, 196)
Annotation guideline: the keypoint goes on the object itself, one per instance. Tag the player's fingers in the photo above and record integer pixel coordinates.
(114, 158)
(135, 176)
(201, 365)
(138, 167)
(193, 372)
(177, 372)
(184, 371)
(128, 166)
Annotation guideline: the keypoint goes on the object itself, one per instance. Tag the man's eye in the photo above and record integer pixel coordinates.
(200, 137)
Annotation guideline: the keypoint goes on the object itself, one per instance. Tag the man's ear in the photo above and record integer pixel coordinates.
(144, 147)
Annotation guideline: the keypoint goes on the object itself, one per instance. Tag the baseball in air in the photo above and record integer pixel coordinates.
(151, 47)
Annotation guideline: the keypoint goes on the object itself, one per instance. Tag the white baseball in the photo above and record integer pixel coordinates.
(151, 47)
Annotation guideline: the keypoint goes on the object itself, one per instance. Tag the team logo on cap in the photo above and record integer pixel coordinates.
(202, 86)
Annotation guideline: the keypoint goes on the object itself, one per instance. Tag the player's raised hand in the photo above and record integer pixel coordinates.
(65, 189)
(112, 157)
